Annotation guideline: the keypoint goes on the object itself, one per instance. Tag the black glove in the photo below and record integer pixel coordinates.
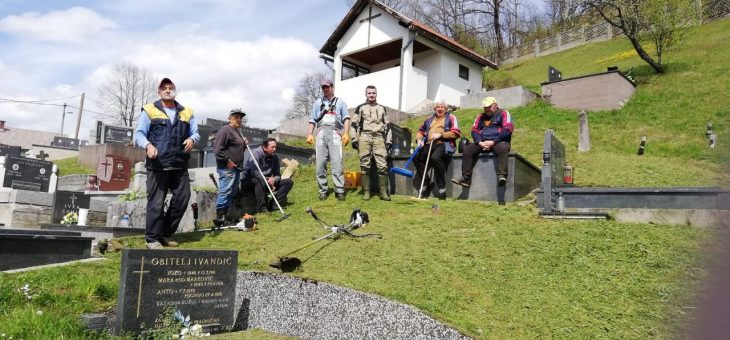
(355, 145)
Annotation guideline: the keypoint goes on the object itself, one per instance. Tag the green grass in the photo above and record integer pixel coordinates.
(672, 110)
(492, 272)
(71, 166)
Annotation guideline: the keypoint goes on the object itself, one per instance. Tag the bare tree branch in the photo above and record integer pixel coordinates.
(126, 88)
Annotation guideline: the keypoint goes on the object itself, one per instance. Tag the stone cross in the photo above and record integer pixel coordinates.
(106, 165)
(141, 273)
(42, 155)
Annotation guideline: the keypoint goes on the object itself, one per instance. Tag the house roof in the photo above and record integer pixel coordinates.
(330, 46)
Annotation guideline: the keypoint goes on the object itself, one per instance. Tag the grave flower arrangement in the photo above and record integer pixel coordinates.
(70, 218)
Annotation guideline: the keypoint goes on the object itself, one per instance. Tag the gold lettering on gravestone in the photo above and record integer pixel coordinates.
(141, 273)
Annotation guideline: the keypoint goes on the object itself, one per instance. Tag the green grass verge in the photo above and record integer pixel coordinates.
(71, 166)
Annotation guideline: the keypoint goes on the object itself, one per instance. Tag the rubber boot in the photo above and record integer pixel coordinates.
(220, 219)
(365, 182)
(384, 187)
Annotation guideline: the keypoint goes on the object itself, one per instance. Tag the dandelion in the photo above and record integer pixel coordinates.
(39, 313)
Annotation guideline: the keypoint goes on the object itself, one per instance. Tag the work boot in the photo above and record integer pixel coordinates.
(340, 196)
(383, 182)
(365, 182)
(220, 219)
(463, 181)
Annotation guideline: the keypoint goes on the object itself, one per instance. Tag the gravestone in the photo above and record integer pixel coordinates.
(65, 202)
(216, 123)
(199, 283)
(117, 134)
(255, 136)
(66, 143)
(401, 141)
(584, 135)
(553, 167)
(9, 150)
(113, 173)
(205, 132)
(27, 174)
(554, 74)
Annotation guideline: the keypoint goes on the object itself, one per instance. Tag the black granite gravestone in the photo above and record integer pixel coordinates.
(215, 123)
(255, 136)
(205, 142)
(117, 134)
(65, 202)
(21, 248)
(27, 173)
(554, 74)
(198, 283)
(66, 143)
(401, 141)
(9, 150)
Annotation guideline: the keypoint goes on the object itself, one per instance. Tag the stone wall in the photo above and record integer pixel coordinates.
(507, 98)
(604, 91)
(309, 309)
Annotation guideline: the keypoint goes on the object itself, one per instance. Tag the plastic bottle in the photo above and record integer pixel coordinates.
(124, 222)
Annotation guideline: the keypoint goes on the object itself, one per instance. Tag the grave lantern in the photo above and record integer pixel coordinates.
(568, 174)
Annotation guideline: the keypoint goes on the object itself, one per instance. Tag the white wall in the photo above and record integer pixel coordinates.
(383, 29)
(452, 87)
(417, 88)
(430, 61)
(352, 91)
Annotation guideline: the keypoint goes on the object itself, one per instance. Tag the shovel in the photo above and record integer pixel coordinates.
(403, 171)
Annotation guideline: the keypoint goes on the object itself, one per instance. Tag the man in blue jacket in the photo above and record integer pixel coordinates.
(492, 132)
(167, 131)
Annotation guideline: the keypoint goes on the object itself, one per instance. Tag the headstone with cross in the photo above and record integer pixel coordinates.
(113, 173)
(197, 283)
(65, 202)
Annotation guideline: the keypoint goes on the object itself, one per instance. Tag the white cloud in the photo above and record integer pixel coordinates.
(72, 25)
(215, 75)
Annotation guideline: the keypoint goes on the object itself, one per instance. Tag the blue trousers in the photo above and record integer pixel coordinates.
(227, 187)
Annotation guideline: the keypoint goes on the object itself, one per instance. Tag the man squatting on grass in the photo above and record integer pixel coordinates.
(167, 131)
(229, 149)
(492, 131)
(270, 176)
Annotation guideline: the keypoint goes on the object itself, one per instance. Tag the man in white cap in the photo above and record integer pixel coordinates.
(492, 132)
(167, 131)
(329, 117)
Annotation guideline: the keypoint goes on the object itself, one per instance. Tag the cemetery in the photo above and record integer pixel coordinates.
(589, 238)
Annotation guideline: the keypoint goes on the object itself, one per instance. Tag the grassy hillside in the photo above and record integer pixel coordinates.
(672, 110)
(492, 272)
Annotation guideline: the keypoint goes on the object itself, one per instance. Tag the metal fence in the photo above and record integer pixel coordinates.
(712, 10)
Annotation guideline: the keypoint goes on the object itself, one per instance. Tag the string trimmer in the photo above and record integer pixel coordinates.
(358, 218)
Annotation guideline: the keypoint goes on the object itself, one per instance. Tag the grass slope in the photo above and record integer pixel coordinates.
(493, 272)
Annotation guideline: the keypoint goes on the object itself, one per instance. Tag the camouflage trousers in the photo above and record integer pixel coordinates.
(372, 146)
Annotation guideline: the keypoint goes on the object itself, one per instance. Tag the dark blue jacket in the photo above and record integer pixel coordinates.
(497, 128)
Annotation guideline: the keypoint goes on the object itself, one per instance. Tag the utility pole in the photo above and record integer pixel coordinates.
(78, 119)
(63, 118)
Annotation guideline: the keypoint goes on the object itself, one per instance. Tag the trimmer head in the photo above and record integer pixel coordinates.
(286, 264)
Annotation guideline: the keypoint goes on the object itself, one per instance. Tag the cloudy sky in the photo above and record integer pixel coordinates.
(220, 53)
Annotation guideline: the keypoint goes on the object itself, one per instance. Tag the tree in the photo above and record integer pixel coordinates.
(126, 88)
(306, 94)
(660, 21)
